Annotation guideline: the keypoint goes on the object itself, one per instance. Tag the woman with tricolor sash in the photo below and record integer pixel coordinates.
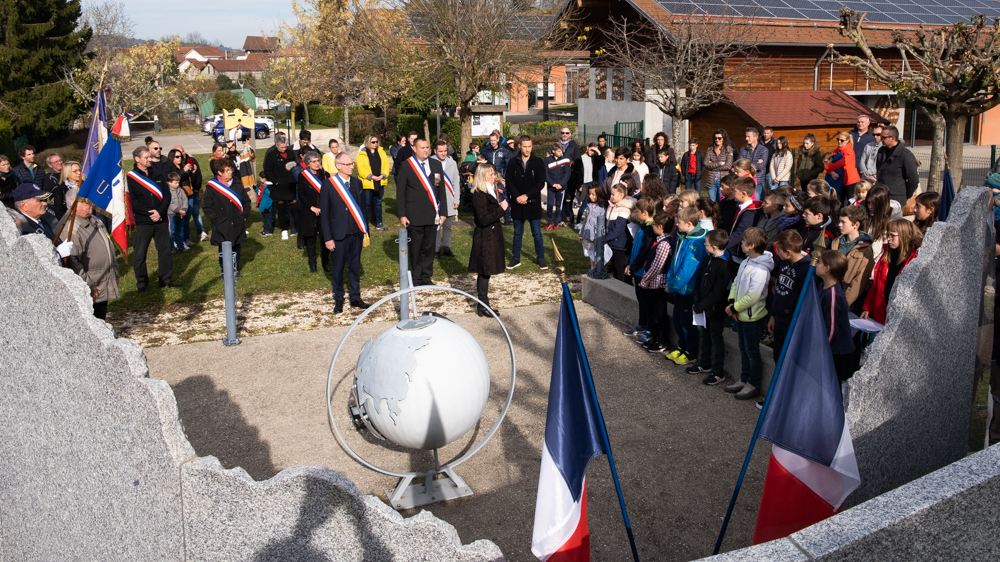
(310, 185)
(227, 205)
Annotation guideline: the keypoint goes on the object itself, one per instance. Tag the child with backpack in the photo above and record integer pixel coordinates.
(856, 246)
(681, 280)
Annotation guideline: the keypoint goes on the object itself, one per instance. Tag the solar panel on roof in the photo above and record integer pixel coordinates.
(933, 12)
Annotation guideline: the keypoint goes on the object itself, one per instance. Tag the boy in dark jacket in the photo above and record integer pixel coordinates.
(693, 165)
(666, 169)
(791, 273)
(711, 295)
(746, 216)
(831, 269)
(817, 223)
(644, 238)
(557, 172)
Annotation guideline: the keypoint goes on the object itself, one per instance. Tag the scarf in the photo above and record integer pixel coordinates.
(7, 175)
(375, 163)
(845, 246)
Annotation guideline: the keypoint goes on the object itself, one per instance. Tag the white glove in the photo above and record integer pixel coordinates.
(64, 249)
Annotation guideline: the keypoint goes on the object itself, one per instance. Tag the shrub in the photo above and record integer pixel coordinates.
(452, 126)
(362, 125)
(325, 115)
(406, 123)
(227, 101)
(7, 141)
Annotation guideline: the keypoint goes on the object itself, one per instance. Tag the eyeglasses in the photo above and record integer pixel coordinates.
(178, 157)
(841, 140)
(892, 235)
(876, 134)
(565, 132)
(156, 148)
(718, 138)
(345, 163)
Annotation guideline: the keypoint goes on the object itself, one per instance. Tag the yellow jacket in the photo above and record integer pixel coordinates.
(365, 168)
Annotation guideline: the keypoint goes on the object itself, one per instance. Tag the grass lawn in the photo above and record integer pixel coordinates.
(271, 265)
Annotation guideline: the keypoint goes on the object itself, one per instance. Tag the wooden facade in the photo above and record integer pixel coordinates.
(788, 68)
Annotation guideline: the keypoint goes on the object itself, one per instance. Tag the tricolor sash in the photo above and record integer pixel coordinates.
(447, 180)
(425, 180)
(227, 191)
(312, 179)
(149, 184)
(352, 205)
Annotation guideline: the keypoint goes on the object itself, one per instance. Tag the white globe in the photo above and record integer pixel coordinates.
(423, 383)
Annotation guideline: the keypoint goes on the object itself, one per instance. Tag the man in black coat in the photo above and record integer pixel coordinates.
(897, 167)
(345, 229)
(150, 201)
(278, 163)
(310, 187)
(227, 205)
(525, 180)
(422, 206)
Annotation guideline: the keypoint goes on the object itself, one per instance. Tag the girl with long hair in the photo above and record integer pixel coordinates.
(925, 210)
(903, 239)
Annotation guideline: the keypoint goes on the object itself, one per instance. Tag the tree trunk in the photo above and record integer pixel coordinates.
(937, 150)
(466, 116)
(675, 130)
(545, 93)
(305, 116)
(347, 124)
(956, 146)
(292, 117)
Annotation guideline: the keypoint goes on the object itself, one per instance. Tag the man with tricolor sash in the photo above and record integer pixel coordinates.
(227, 205)
(310, 184)
(421, 205)
(150, 201)
(442, 245)
(345, 230)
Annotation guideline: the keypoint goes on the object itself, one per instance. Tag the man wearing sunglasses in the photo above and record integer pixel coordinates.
(156, 163)
(570, 149)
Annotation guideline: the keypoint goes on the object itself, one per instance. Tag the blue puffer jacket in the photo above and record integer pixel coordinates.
(690, 254)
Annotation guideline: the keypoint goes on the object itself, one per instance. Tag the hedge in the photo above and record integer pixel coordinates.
(325, 115)
(408, 122)
(7, 141)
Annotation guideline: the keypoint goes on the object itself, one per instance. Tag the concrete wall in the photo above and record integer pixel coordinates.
(597, 113)
(94, 463)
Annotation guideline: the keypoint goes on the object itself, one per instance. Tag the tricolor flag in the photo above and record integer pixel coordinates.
(812, 468)
(97, 136)
(105, 189)
(574, 436)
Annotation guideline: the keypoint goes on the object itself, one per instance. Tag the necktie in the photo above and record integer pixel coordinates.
(427, 168)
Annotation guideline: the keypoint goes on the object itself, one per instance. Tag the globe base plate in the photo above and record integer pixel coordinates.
(438, 486)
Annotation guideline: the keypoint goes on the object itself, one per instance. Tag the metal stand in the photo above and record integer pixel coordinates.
(599, 272)
(229, 283)
(404, 268)
(432, 490)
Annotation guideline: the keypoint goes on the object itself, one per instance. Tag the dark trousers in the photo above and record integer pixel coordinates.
(310, 243)
(640, 297)
(780, 332)
(691, 183)
(282, 212)
(483, 289)
(713, 348)
(422, 240)
(554, 201)
(236, 258)
(567, 206)
(373, 203)
(101, 310)
(347, 251)
(687, 335)
(656, 315)
(846, 192)
(750, 363)
(159, 234)
(619, 260)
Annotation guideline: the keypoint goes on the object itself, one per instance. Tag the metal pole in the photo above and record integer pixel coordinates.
(993, 156)
(404, 270)
(599, 272)
(437, 101)
(229, 283)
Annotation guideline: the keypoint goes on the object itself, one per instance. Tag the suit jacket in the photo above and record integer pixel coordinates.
(525, 180)
(412, 200)
(335, 218)
(228, 222)
(309, 197)
(143, 200)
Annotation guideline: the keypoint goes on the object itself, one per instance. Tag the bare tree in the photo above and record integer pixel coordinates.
(950, 72)
(686, 65)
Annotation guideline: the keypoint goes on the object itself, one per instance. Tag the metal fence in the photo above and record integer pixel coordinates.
(975, 170)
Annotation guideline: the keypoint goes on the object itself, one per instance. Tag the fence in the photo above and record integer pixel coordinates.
(975, 170)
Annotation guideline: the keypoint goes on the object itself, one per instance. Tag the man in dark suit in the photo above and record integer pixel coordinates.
(525, 180)
(150, 201)
(309, 188)
(422, 206)
(345, 230)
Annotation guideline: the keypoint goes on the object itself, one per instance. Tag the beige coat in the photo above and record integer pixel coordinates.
(93, 257)
(860, 264)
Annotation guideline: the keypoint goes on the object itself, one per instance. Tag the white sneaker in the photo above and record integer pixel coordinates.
(187, 246)
(284, 235)
(204, 236)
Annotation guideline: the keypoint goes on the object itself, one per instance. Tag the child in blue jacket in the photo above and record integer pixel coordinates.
(644, 238)
(681, 280)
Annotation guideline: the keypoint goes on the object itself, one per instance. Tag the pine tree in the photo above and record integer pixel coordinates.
(39, 42)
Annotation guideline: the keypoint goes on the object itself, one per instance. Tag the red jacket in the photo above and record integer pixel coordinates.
(847, 163)
(875, 302)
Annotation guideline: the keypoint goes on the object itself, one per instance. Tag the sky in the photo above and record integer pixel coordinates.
(229, 22)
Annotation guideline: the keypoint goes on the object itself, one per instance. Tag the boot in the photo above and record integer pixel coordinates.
(312, 267)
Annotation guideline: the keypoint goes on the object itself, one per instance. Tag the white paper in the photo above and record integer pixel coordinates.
(699, 319)
(866, 325)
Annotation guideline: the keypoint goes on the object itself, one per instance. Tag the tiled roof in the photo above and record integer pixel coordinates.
(207, 52)
(255, 43)
(812, 108)
(253, 64)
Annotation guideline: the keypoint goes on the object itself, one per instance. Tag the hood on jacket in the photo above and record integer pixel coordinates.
(764, 261)
(621, 210)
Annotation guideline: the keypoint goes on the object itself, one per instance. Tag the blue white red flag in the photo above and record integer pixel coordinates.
(105, 189)
(572, 440)
(813, 468)
(97, 136)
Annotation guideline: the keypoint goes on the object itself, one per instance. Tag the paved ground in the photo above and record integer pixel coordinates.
(678, 444)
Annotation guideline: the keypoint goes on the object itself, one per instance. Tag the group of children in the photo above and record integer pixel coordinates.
(742, 262)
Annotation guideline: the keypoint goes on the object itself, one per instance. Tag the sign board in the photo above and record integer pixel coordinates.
(485, 123)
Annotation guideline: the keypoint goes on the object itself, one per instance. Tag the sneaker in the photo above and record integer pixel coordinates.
(381, 227)
(513, 264)
(633, 331)
(579, 226)
(643, 337)
(263, 234)
(186, 246)
(683, 359)
(735, 387)
(749, 391)
(204, 236)
(653, 346)
(760, 404)
(542, 265)
(673, 354)
(713, 379)
(284, 235)
(556, 227)
(697, 370)
(549, 227)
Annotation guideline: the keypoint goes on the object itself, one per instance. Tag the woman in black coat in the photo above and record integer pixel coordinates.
(227, 205)
(487, 257)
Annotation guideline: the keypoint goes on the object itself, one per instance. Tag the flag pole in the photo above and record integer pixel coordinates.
(817, 250)
(606, 443)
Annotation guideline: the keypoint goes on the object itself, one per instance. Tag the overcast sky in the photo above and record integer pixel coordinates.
(230, 22)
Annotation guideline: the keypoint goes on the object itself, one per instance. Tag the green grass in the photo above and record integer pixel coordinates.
(272, 265)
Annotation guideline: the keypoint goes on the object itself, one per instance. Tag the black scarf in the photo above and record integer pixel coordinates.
(375, 163)
(894, 269)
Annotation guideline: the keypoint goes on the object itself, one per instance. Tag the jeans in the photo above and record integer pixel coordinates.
(713, 191)
(687, 334)
(553, 209)
(760, 187)
(177, 231)
(536, 233)
(641, 300)
(193, 212)
(268, 217)
(750, 363)
(370, 197)
(713, 347)
(691, 183)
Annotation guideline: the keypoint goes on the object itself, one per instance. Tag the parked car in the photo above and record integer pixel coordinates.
(261, 131)
(208, 123)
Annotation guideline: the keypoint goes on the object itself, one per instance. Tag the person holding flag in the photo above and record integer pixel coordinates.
(310, 185)
(442, 246)
(421, 206)
(345, 230)
(227, 205)
(150, 201)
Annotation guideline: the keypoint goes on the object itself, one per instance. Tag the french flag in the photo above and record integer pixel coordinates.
(573, 438)
(105, 189)
(812, 468)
